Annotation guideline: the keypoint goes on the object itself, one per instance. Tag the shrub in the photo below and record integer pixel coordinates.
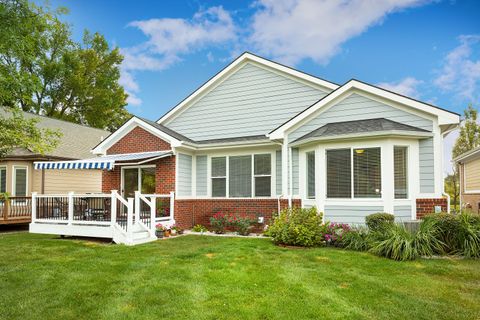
(398, 244)
(468, 235)
(358, 239)
(379, 221)
(298, 227)
(199, 228)
(332, 233)
(242, 224)
(219, 222)
(448, 226)
(427, 241)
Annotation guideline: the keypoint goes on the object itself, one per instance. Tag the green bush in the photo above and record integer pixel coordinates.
(358, 239)
(242, 224)
(297, 227)
(398, 244)
(427, 241)
(379, 221)
(199, 228)
(219, 222)
(448, 226)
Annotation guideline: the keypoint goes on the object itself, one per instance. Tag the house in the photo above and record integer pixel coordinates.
(19, 179)
(260, 136)
(469, 170)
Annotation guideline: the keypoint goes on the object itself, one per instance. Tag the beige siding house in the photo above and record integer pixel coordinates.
(19, 179)
(469, 168)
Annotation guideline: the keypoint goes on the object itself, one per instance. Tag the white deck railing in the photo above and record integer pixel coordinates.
(80, 211)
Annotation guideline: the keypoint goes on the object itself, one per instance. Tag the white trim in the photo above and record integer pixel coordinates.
(444, 117)
(234, 66)
(14, 179)
(139, 178)
(129, 126)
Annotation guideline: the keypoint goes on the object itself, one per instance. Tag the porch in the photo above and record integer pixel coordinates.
(15, 210)
(125, 220)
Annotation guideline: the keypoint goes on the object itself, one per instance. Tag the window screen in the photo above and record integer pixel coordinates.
(3, 180)
(339, 181)
(401, 173)
(20, 182)
(262, 174)
(311, 175)
(367, 173)
(240, 176)
(219, 177)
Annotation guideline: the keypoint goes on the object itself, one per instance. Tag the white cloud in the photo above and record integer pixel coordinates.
(168, 39)
(407, 86)
(292, 30)
(460, 73)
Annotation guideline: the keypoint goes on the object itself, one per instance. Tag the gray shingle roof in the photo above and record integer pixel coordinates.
(76, 140)
(359, 126)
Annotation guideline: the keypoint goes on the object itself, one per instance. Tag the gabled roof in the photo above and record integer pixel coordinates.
(445, 117)
(235, 65)
(75, 143)
(357, 127)
(469, 154)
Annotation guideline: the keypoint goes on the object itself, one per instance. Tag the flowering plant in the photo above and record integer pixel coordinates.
(160, 227)
(333, 233)
(242, 223)
(219, 222)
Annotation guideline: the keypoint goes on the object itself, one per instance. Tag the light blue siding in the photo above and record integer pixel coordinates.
(252, 101)
(201, 176)
(349, 214)
(402, 213)
(357, 107)
(184, 178)
(278, 171)
(426, 159)
(295, 171)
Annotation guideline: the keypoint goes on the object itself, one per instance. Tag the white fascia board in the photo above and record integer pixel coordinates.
(232, 67)
(126, 128)
(444, 117)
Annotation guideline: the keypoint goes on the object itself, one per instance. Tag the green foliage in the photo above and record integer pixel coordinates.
(448, 226)
(397, 245)
(379, 221)
(19, 132)
(469, 235)
(452, 187)
(219, 222)
(243, 225)
(427, 240)
(199, 228)
(42, 70)
(298, 227)
(469, 137)
(358, 239)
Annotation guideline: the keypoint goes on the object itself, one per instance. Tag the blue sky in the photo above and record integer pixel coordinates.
(429, 50)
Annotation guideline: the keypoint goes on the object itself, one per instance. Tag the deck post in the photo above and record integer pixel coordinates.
(130, 219)
(153, 210)
(70, 207)
(6, 209)
(113, 207)
(34, 207)
(172, 205)
(137, 206)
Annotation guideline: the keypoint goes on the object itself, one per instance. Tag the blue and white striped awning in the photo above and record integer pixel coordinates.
(103, 162)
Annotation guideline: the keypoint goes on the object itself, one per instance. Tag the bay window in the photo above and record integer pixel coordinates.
(364, 181)
(247, 176)
(400, 172)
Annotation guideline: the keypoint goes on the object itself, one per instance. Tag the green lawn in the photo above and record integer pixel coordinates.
(200, 277)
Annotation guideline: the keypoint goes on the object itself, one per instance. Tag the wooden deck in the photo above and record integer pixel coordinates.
(16, 210)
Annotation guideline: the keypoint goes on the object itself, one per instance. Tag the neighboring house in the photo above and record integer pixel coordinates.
(469, 169)
(19, 179)
(260, 136)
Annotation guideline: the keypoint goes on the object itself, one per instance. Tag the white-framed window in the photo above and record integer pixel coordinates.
(3, 179)
(20, 181)
(311, 175)
(241, 176)
(400, 167)
(354, 173)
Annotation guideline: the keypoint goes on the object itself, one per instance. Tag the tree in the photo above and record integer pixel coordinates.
(42, 70)
(452, 187)
(469, 137)
(19, 132)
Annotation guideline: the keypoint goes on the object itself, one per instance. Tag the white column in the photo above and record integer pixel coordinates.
(113, 207)
(130, 218)
(70, 207)
(172, 206)
(387, 177)
(137, 206)
(153, 209)
(285, 167)
(34, 207)
(320, 179)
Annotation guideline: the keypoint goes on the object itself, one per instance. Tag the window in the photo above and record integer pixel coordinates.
(19, 181)
(311, 175)
(247, 176)
(263, 175)
(400, 169)
(339, 180)
(367, 173)
(219, 177)
(3, 179)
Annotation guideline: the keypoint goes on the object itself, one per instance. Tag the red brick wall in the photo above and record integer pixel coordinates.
(426, 206)
(138, 140)
(190, 212)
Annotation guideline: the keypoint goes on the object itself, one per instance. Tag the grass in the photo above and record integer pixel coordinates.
(200, 277)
